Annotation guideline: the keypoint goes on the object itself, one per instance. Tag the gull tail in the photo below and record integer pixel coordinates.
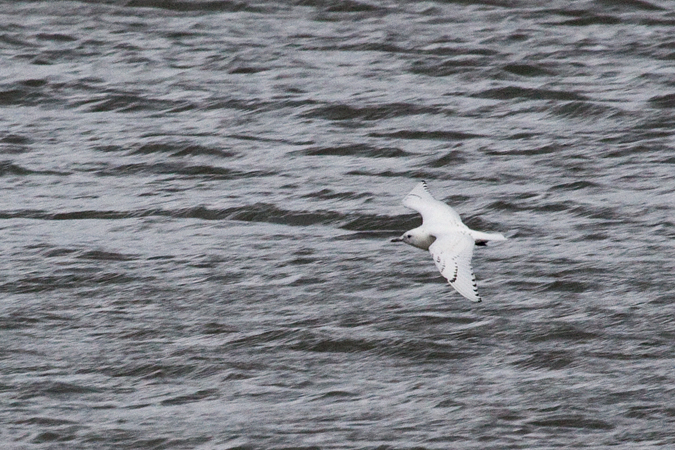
(481, 238)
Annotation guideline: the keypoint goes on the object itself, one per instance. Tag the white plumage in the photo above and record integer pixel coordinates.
(449, 241)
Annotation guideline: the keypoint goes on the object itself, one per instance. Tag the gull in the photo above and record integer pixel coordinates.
(449, 241)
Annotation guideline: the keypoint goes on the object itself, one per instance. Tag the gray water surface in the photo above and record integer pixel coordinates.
(198, 197)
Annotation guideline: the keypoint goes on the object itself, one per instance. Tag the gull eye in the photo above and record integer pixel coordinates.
(409, 236)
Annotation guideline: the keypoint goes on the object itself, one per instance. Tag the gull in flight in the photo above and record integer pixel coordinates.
(449, 241)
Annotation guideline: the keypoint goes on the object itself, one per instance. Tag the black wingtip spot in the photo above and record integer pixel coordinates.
(454, 275)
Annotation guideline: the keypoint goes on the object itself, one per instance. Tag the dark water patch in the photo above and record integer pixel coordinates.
(17, 321)
(131, 102)
(259, 212)
(55, 37)
(33, 82)
(56, 252)
(347, 6)
(605, 213)
(253, 104)
(328, 194)
(337, 395)
(9, 149)
(15, 139)
(214, 328)
(629, 355)
(205, 394)
(178, 168)
(427, 351)
(521, 136)
(574, 186)
(543, 150)
(583, 110)
(445, 68)
(429, 319)
(575, 421)
(460, 51)
(450, 403)
(362, 150)
(101, 255)
(554, 207)
(266, 338)
(23, 96)
(496, 3)
(81, 215)
(633, 150)
(194, 5)
(663, 101)
(244, 69)
(161, 257)
(516, 92)
(657, 22)
(336, 345)
(547, 360)
(652, 412)
(194, 150)
(45, 421)
(54, 436)
(431, 135)
(590, 18)
(307, 281)
(179, 149)
(527, 70)
(14, 40)
(630, 5)
(559, 331)
(387, 47)
(109, 148)
(593, 237)
(148, 370)
(264, 212)
(235, 375)
(375, 112)
(504, 205)
(140, 334)
(47, 283)
(55, 389)
(407, 174)
(452, 158)
(8, 168)
(246, 137)
(566, 286)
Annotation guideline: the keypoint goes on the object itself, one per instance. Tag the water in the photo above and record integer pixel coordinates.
(198, 197)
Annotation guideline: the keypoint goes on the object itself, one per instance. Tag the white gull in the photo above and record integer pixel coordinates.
(449, 241)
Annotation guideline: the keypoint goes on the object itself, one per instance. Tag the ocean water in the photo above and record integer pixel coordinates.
(198, 199)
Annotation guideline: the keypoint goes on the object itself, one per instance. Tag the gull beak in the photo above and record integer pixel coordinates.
(398, 239)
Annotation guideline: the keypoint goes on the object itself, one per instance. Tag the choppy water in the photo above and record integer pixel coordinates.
(198, 197)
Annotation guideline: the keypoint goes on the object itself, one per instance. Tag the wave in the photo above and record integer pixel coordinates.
(341, 111)
(258, 212)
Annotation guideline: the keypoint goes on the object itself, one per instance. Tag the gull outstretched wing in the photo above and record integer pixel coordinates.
(433, 212)
(452, 254)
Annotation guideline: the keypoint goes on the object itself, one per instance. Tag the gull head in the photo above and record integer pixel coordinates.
(416, 237)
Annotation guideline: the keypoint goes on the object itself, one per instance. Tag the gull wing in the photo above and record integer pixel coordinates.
(452, 254)
(433, 212)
